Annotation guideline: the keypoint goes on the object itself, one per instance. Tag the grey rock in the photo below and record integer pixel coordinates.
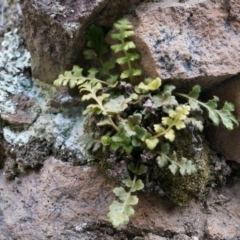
(188, 43)
(71, 202)
(54, 31)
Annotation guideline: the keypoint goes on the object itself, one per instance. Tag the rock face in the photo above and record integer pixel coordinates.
(66, 202)
(54, 31)
(40, 129)
(189, 42)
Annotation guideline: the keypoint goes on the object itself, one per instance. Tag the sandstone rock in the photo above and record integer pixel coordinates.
(67, 202)
(151, 236)
(26, 111)
(55, 31)
(191, 42)
(225, 141)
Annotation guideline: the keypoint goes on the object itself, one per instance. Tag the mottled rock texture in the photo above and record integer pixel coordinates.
(189, 42)
(53, 199)
(54, 30)
(66, 202)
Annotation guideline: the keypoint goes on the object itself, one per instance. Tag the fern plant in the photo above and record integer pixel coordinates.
(137, 118)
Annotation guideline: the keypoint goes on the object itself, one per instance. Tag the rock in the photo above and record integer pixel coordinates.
(224, 141)
(54, 32)
(151, 236)
(62, 201)
(26, 111)
(191, 42)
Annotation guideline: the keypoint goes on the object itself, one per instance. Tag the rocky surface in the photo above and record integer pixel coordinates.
(49, 197)
(54, 31)
(189, 42)
(65, 202)
(30, 109)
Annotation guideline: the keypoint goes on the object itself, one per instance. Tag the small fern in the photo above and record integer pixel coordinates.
(138, 118)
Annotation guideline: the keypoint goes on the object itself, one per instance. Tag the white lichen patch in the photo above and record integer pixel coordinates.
(59, 125)
(14, 58)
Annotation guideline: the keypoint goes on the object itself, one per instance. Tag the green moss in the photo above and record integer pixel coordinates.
(181, 189)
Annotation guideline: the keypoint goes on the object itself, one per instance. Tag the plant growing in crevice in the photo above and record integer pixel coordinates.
(138, 119)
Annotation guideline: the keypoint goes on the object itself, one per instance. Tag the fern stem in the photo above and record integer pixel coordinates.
(169, 159)
(129, 193)
(106, 70)
(113, 124)
(163, 133)
(128, 60)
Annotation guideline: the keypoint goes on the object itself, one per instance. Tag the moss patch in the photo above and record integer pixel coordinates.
(181, 189)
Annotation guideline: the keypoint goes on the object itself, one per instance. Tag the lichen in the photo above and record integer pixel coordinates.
(14, 58)
(61, 126)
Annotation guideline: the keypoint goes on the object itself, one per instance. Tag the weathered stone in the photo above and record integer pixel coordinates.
(192, 42)
(55, 31)
(151, 236)
(26, 111)
(66, 202)
(225, 141)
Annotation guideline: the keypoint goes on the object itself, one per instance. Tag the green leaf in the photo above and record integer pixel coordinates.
(137, 186)
(226, 116)
(110, 64)
(151, 143)
(165, 98)
(135, 119)
(116, 36)
(134, 96)
(127, 181)
(148, 85)
(122, 60)
(162, 161)
(194, 104)
(95, 40)
(141, 132)
(123, 24)
(136, 142)
(173, 168)
(92, 109)
(106, 140)
(116, 214)
(116, 105)
(117, 47)
(120, 193)
(77, 71)
(138, 72)
(195, 92)
(128, 45)
(213, 103)
(129, 211)
(213, 116)
(132, 56)
(128, 124)
(132, 200)
(158, 128)
(128, 33)
(138, 170)
(186, 167)
(170, 135)
(112, 79)
(125, 74)
(104, 122)
(165, 148)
